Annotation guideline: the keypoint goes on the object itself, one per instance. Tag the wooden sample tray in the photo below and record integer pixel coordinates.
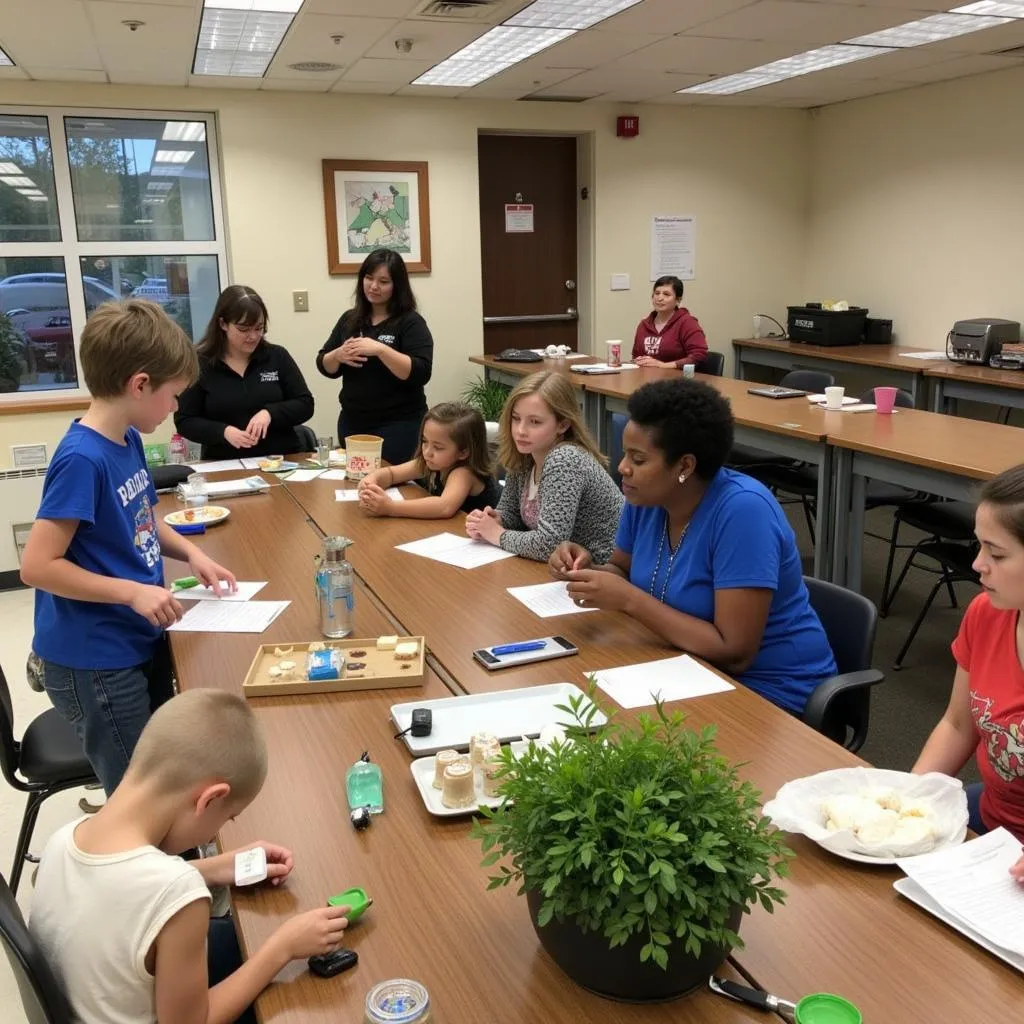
(382, 671)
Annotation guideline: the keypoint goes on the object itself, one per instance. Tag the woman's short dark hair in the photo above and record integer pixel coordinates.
(237, 304)
(668, 279)
(685, 417)
(402, 299)
(1005, 493)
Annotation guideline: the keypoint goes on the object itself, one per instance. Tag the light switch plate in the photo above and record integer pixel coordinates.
(300, 302)
(620, 282)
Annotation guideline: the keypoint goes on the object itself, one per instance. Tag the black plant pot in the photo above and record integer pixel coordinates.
(618, 973)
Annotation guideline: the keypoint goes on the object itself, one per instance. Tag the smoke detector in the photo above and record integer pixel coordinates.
(403, 45)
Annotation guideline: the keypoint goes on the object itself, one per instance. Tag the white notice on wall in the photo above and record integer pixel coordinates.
(673, 247)
(518, 218)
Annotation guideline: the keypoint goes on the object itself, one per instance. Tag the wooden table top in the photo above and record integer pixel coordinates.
(987, 375)
(864, 355)
(525, 369)
(970, 448)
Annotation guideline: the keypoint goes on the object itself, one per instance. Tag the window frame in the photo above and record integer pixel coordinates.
(71, 250)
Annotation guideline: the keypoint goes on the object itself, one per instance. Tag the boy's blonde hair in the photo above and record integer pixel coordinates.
(560, 397)
(202, 736)
(121, 339)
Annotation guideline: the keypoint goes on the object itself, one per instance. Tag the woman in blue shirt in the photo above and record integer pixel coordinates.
(704, 556)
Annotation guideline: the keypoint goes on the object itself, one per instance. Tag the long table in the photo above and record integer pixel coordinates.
(982, 384)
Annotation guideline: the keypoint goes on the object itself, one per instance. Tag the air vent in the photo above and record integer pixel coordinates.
(461, 10)
(535, 98)
(315, 66)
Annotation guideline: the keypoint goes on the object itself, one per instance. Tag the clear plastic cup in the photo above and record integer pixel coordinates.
(323, 450)
(195, 490)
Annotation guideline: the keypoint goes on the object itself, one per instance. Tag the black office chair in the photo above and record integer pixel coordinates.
(166, 478)
(42, 998)
(839, 707)
(48, 760)
(748, 459)
(713, 364)
(306, 438)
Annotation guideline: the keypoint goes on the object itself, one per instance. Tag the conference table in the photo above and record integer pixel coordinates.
(843, 928)
(983, 384)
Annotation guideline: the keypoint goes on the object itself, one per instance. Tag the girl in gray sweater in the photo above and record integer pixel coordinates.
(557, 487)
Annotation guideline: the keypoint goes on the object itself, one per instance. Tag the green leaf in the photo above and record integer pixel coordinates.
(547, 911)
(646, 952)
(618, 875)
(660, 956)
(715, 864)
(567, 815)
(651, 901)
(491, 858)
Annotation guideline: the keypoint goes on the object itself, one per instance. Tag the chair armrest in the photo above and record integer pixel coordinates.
(827, 691)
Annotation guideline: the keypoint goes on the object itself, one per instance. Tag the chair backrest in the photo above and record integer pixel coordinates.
(849, 620)
(712, 364)
(43, 1000)
(306, 438)
(904, 399)
(814, 381)
(10, 752)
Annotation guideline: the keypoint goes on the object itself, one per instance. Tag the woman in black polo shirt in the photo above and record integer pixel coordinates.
(250, 395)
(383, 352)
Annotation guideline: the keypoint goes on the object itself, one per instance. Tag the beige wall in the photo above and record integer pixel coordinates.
(916, 205)
(741, 172)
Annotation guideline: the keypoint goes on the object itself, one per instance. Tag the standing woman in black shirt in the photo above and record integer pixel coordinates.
(383, 352)
(250, 395)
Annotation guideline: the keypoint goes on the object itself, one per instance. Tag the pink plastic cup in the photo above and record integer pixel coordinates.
(885, 399)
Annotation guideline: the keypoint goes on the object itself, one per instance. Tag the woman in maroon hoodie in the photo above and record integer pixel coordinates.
(670, 336)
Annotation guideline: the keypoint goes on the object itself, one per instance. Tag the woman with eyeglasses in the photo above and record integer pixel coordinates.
(250, 395)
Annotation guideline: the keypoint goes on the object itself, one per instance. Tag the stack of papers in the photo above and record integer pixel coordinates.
(244, 592)
(303, 476)
(636, 686)
(923, 355)
(239, 485)
(971, 884)
(219, 467)
(229, 616)
(454, 550)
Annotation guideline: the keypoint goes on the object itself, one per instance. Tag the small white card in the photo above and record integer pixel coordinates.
(635, 686)
(303, 476)
(547, 599)
(250, 866)
(333, 474)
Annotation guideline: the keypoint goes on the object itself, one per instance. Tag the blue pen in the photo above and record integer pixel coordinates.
(529, 645)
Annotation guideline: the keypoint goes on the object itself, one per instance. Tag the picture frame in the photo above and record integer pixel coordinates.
(376, 204)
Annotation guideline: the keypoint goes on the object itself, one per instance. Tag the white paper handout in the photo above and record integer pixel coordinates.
(303, 476)
(463, 552)
(218, 467)
(353, 494)
(333, 474)
(230, 616)
(973, 882)
(635, 686)
(245, 592)
(547, 599)
(252, 463)
(922, 354)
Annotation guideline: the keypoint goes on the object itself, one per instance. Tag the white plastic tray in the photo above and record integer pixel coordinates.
(423, 775)
(910, 890)
(508, 714)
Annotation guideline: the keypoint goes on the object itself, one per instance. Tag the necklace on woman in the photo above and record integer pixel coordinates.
(671, 560)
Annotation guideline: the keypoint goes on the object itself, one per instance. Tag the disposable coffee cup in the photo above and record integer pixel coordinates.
(614, 353)
(834, 398)
(885, 399)
(689, 370)
(362, 453)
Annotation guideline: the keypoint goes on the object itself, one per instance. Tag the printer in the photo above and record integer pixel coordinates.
(977, 341)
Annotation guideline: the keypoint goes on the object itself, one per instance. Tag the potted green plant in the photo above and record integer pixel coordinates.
(488, 396)
(11, 364)
(638, 849)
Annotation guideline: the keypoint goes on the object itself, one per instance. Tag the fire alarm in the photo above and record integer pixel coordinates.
(627, 127)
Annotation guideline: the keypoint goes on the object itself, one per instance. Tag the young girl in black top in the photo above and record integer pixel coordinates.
(453, 464)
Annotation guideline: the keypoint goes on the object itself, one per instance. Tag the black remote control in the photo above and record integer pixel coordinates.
(327, 965)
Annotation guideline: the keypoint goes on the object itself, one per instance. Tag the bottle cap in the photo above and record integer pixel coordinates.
(825, 1008)
(360, 818)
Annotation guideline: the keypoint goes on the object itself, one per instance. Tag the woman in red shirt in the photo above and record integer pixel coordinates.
(670, 336)
(985, 715)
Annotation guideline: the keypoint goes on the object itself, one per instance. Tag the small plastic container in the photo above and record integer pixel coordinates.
(195, 490)
(399, 1001)
(363, 453)
(825, 1008)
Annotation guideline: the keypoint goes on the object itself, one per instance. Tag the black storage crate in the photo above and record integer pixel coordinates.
(825, 326)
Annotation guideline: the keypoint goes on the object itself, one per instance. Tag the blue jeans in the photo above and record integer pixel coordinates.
(974, 822)
(223, 957)
(110, 707)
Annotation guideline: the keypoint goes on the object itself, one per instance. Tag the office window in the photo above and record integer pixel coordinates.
(96, 207)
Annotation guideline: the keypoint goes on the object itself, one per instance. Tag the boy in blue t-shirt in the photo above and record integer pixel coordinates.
(94, 553)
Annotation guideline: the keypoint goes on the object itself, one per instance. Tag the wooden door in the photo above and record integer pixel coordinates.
(528, 241)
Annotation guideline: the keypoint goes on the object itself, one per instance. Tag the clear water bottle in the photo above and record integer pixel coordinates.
(334, 589)
(177, 450)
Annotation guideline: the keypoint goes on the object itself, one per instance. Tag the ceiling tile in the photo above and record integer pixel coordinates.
(164, 44)
(666, 17)
(806, 24)
(701, 55)
(151, 77)
(427, 91)
(12, 73)
(362, 8)
(893, 65)
(309, 38)
(397, 72)
(589, 49)
(913, 8)
(30, 39)
(223, 82)
(431, 41)
(958, 67)
(192, 4)
(527, 77)
(630, 84)
(44, 74)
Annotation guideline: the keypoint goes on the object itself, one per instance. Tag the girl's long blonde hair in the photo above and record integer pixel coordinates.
(560, 397)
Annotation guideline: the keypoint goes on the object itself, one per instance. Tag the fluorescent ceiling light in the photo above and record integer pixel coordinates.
(9, 168)
(173, 156)
(574, 14)
(492, 53)
(160, 186)
(5, 61)
(788, 67)
(30, 191)
(167, 170)
(241, 41)
(36, 199)
(18, 181)
(1006, 10)
(184, 131)
(928, 30)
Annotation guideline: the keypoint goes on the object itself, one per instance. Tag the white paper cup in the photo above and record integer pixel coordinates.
(614, 353)
(362, 455)
(834, 398)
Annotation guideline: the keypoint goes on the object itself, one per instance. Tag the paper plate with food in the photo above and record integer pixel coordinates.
(208, 515)
(873, 815)
(277, 464)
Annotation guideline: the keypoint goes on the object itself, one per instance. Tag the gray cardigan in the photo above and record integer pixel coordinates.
(578, 501)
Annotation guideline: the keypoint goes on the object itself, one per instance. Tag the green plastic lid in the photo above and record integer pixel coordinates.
(825, 1008)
